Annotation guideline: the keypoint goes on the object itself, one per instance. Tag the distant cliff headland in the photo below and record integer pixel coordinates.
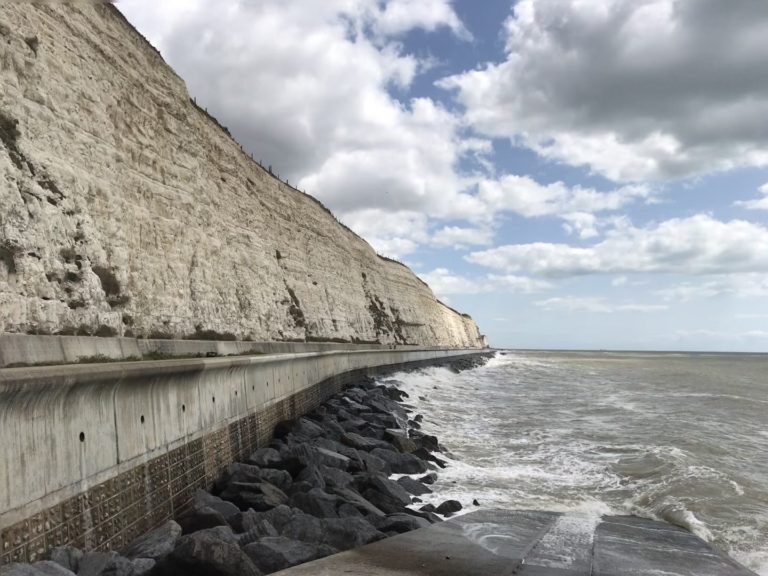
(126, 210)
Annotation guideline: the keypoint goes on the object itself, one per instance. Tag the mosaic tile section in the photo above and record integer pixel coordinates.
(112, 514)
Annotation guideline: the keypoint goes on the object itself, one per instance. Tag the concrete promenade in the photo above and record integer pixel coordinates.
(529, 543)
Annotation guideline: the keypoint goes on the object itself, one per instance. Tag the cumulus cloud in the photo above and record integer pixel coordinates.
(594, 305)
(738, 285)
(399, 16)
(319, 92)
(523, 195)
(704, 334)
(461, 237)
(696, 245)
(393, 234)
(619, 281)
(633, 89)
(444, 282)
(308, 88)
(760, 203)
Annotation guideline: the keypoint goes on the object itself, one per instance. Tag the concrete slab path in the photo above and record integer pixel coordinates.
(531, 543)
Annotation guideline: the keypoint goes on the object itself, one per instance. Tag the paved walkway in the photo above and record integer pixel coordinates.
(526, 543)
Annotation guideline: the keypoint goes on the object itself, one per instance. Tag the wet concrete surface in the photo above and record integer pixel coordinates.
(533, 543)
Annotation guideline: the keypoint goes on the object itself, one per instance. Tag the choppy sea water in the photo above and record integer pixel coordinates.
(678, 437)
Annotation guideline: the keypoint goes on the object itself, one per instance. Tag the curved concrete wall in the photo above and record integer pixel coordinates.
(32, 350)
(95, 454)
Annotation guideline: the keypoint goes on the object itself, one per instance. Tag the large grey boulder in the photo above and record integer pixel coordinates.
(399, 523)
(384, 502)
(388, 487)
(413, 486)
(430, 478)
(67, 557)
(265, 458)
(317, 502)
(105, 564)
(399, 439)
(250, 474)
(354, 499)
(260, 496)
(354, 406)
(312, 476)
(202, 519)
(427, 456)
(155, 544)
(258, 528)
(259, 521)
(332, 428)
(364, 443)
(296, 457)
(335, 477)
(205, 553)
(385, 420)
(426, 441)
(449, 507)
(277, 553)
(44, 568)
(301, 526)
(401, 463)
(204, 499)
(345, 533)
(306, 429)
(374, 464)
(143, 566)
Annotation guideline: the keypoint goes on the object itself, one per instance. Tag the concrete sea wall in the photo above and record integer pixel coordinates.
(96, 454)
(27, 350)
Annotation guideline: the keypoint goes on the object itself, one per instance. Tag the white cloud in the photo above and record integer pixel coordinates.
(393, 234)
(594, 305)
(582, 224)
(523, 195)
(738, 285)
(760, 203)
(704, 334)
(619, 281)
(306, 87)
(444, 282)
(459, 237)
(696, 245)
(399, 16)
(633, 89)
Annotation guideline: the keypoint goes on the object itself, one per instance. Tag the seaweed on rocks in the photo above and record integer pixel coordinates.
(321, 487)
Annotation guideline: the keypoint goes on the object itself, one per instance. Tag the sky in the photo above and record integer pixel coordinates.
(587, 174)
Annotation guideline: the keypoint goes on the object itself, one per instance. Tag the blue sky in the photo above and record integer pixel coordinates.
(573, 174)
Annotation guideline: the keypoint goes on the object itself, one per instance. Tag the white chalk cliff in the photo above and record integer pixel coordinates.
(126, 210)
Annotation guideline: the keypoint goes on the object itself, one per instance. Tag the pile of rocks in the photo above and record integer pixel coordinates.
(322, 486)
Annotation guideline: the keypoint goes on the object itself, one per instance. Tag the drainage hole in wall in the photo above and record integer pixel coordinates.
(253, 387)
(235, 392)
(183, 407)
(142, 418)
(82, 436)
(214, 399)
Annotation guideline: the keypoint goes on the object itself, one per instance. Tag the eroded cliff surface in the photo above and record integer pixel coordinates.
(126, 210)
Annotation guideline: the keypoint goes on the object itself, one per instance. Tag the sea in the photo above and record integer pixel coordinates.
(671, 436)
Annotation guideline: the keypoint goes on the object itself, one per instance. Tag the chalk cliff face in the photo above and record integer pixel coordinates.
(126, 210)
